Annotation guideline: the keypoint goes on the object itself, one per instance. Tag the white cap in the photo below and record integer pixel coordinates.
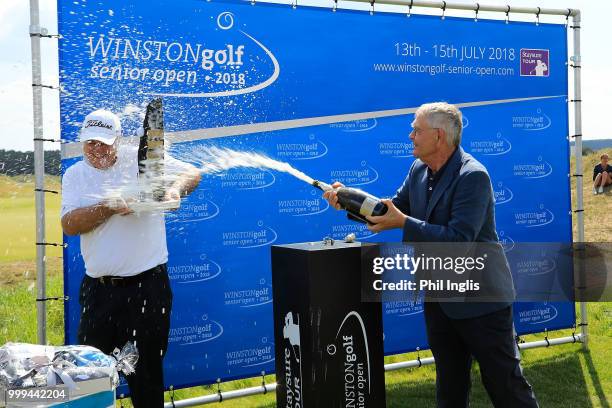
(101, 125)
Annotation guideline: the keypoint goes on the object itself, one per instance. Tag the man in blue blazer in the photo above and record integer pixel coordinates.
(447, 197)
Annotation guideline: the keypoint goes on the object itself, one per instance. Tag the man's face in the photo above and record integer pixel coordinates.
(425, 138)
(100, 155)
(604, 160)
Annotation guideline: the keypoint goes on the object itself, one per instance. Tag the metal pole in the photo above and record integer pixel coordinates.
(471, 7)
(263, 389)
(39, 172)
(577, 62)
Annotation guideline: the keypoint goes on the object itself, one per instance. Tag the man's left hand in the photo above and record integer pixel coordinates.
(393, 218)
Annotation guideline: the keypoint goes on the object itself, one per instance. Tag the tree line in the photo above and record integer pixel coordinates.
(13, 163)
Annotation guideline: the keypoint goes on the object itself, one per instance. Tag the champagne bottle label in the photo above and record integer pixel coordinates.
(367, 206)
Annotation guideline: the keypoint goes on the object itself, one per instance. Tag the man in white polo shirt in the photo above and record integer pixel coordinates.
(125, 294)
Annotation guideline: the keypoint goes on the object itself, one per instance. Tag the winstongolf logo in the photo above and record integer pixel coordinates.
(227, 62)
(360, 125)
(194, 211)
(361, 231)
(251, 357)
(247, 179)
(301, 207)
(539, 169)
(396, 149)
(258, 237)
(538, 315)
(502, 194)
(536, 218)
(207, 269)
(533, 122)
(201, 332)
(497, 147)
(312, 149)
(355, 177)
(506, 241)
(253, 297)
(535, 267)
(404, 309)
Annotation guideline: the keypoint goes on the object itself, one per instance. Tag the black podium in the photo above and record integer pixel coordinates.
(328, 344)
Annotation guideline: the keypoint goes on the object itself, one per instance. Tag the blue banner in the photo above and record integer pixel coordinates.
(333, 94)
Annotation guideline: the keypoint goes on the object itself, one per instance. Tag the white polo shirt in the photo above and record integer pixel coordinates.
(124, 245)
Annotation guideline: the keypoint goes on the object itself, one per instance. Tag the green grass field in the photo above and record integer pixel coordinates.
(562, 376)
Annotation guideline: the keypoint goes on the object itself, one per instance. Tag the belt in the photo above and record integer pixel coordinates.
(127, 280)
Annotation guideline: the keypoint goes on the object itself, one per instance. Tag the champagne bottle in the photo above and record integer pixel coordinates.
(357, 203)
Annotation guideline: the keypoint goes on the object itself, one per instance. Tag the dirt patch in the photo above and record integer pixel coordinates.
(13, 273)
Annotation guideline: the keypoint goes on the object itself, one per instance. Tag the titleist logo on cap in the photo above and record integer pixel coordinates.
(98, 123)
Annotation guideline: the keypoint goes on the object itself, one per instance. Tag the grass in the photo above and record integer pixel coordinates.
(561, 376)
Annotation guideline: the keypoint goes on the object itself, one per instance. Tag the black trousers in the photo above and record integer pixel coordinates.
(490, 340)
(138, 310)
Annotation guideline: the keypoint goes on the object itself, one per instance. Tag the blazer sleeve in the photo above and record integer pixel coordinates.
(468, 213)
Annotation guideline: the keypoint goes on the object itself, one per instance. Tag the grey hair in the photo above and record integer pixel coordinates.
(444, 116)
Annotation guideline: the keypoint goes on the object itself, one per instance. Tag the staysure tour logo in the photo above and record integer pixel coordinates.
(496, 147)
(292, 360)
(202, 331)
(302, 150)
(228, 62)
(204, 270)
(538, 314)
(358, 176)
(532, 122)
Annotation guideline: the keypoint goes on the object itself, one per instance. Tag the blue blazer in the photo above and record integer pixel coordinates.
(461, 209)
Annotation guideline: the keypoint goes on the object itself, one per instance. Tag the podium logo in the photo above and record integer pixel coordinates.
(313, 149)
(533, 122)
(355, 177)
(248, 297)
(536, 267)
(194, 211)
(261, 236)
(361, 231)
(351, 351)
(497, 147)
(404, 309)
(360, 125)
(501, 194)
(396, 149)
(247, 179)
(531, 219)
(538, 314)
(251, 357)
(506, 241)
(205, 331)
(207, 269)
(537, 170)
(303, 207)
(293, 361)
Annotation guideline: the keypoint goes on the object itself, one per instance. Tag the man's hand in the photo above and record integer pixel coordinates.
(117, 205)
(172, 194)
(332, 197)
(393, 218)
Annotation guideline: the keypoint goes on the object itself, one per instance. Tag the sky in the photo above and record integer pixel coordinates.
(16, 71)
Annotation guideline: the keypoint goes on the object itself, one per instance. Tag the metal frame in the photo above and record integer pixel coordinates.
(36, 32)
(265, 388)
